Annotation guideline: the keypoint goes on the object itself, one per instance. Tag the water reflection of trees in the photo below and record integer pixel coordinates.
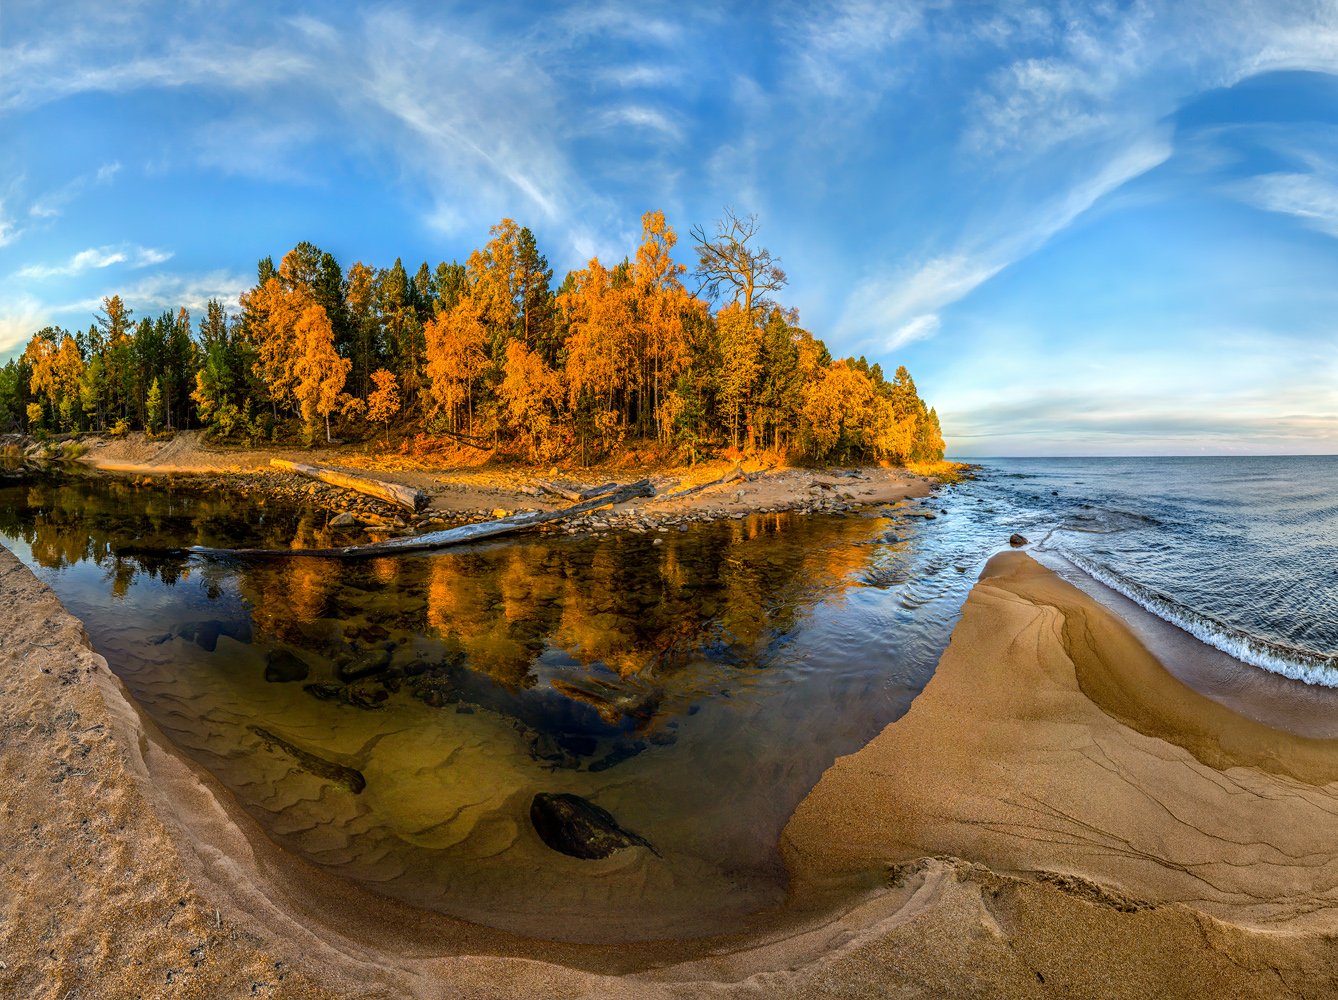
(132, 531)
(622, 604)
(630, 616)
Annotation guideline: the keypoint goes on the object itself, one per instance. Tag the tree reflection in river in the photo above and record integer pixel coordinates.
(624, 625)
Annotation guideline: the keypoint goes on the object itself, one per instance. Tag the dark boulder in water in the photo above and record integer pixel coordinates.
(283, 667)
(205, 634)
(578, 828)
(371, 662)
(1017, 541)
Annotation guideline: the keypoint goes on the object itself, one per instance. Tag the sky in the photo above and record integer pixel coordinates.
(1085, 228)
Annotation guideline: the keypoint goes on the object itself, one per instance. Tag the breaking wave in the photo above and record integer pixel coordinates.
(1298, 664)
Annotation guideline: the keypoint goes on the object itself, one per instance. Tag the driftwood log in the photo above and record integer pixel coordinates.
(729, 477)
(404, 496)
(574, 495)
(441, 539)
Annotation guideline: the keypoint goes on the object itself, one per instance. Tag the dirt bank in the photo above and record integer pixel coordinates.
(1120, 863)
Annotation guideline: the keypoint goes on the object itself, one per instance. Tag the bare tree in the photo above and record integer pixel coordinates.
(726, 261)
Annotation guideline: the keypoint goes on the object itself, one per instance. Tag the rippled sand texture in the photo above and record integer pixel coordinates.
(1003, 759)
(94, 897)
(1049, 740)
(438, 812)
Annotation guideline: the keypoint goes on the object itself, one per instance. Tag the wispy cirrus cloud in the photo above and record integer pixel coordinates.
(1309, 197)
(97, 257)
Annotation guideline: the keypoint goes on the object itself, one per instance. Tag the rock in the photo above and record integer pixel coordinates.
(578, 828)
(619, 753)
(1017, 541)
(368, 663)
(658, 541)
(344, 520)
(282, 667)
(337, 774)
(205, 634)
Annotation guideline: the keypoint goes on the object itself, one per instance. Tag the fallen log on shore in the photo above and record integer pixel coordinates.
(404, 496)
(729, 477)
(574, 495)
(441, 539)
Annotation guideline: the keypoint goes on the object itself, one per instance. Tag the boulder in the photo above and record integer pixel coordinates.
(578, 828)
(1017, 541)
(282, 667)
(368, 663)
(343, 520)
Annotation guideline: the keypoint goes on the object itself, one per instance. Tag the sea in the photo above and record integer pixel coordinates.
(1239, 552)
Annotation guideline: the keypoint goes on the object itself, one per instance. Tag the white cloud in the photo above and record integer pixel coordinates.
(98, 257)
(8, 232)
(1307, 196)
(50, 204)
(20, 318)
(920, 328)
(901, 300)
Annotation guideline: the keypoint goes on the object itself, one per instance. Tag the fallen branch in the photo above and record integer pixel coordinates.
(405, 496)
(469, 439)
(558, 491)
(734, 474)
(574, 495)
(441, 539)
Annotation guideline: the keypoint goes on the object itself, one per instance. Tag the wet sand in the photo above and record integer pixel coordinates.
(1056, 816)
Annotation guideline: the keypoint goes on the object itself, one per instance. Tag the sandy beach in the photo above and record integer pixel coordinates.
(470, 487)
(1056, 815)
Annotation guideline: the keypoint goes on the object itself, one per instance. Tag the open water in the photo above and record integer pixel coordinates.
(392, 720)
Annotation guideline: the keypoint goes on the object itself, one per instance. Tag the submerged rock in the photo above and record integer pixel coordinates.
(205, 634)
(371, 662)
(283, 667)
(344, 520)
(578, 828)
(344, 777)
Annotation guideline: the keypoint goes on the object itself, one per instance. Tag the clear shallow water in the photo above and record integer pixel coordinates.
(1240, 552)
(695, 690)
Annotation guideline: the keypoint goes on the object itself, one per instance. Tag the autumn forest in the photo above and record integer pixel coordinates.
(487, 354)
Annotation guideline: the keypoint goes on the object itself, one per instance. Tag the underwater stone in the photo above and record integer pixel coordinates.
(578, 828)
(205, 634)
(283, 667)
(365, 665)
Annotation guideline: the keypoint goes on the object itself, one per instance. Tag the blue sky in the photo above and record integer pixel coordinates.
(1090, 228)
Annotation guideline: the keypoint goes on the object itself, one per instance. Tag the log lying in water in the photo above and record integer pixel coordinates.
(729, 477)
(405, 496)
(451, 536)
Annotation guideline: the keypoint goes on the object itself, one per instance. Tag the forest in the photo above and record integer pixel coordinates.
(486, 354)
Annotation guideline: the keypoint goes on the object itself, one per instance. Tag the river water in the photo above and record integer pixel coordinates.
(392, 720)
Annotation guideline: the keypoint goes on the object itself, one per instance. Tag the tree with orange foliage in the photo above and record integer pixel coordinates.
(530, 390)
(457, 355)
(384, 402)
(318, 372)
(55, 373)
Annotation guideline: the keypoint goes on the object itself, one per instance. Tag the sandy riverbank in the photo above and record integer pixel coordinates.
(462, 492)
(1055, 816)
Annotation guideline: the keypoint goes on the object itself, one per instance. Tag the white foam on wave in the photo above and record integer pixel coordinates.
(1298, 664)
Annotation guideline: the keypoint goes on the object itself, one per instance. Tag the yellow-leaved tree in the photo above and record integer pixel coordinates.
(530, 390)
(384, 401)
(457, 355)
(318, 372)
